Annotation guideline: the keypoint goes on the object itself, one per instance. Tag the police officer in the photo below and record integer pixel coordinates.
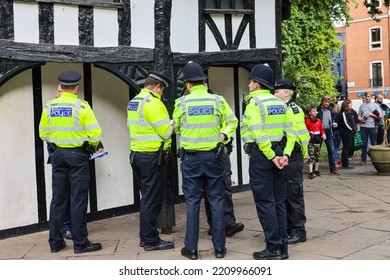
(203, 121)
(71, 128)
(295, 204)
(263, 126)
(150, 138)
(231, 226)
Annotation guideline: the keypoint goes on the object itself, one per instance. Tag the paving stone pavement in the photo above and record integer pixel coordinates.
(348, 218)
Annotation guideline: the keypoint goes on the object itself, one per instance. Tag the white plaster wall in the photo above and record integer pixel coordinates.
(184, 26)
(265, 24)
(142, 23)
(221, 80)
(211, 43)
(66, 25)
(236, 21)
(106, 27)
(26, 26)
(114, 175)
(18, 191)
(243, 85)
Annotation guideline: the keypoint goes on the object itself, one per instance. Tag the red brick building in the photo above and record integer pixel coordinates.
(367, 53)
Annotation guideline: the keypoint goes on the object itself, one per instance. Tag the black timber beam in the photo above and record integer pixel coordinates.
(228, 57)
(86, 54)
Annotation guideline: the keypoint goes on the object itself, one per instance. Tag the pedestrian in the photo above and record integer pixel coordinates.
(71, 128)
(293, 172)
(231, 226)
(369, 115)
(347, 131)
(336, 134)
(263, 127)
(384, 108)
(150, 138)
(325, 114)
(317, 135)
(204, 122)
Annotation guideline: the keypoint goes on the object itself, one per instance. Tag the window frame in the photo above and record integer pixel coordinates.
(371, 43)
(245, 10)
(90, 3)
(372, 63)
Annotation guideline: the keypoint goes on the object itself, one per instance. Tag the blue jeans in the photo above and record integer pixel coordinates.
(336, 144)
(368, 132)
(330, 148)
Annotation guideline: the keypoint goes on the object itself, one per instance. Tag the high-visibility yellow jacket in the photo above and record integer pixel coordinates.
(299, 128)
(148, 122)
(265, 121)
(68, 121)
(200, 119)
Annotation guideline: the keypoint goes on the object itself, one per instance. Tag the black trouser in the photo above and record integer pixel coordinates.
(269, 190)
(295, 203)
(151, 180)
(229, 217)
(70, 178)
(347, 138)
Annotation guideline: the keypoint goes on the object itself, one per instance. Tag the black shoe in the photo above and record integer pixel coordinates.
(284, 256)
(295, 238)
(232, 230)
(89, 247)
(141, 244)
(220, 253)
(162, 245)
(189, 254)
(67, 234)
(209, 232)
(59, 248)
(268, 255)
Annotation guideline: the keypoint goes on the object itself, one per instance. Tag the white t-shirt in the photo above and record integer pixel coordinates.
(364, 109)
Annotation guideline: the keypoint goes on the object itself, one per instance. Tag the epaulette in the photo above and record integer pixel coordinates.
(83, 101)
(294, 107)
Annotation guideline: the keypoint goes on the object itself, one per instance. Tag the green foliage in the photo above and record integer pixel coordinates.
(308, 38)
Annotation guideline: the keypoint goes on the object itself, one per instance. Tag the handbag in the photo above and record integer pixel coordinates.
(357, 143)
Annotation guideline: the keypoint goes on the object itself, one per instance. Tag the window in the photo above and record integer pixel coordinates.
(375, 38)
(376, 3)
(227, 4)
(376, 74)
(98, 3)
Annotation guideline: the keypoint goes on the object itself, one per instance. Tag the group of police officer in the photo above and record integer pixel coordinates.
(272, 128)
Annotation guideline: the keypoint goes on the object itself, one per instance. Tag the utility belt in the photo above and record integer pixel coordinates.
(274, 146)
(52, 147)
(162, 155)
(218, 150)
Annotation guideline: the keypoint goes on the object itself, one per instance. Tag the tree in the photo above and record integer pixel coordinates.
(308, 38)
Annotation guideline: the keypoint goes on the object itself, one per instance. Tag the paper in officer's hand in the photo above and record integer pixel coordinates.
(98, 155)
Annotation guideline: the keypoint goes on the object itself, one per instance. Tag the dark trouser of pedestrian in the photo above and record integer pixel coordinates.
(347, 138)
(330, 148)
(269, 190)
(381, 133)
(70, 178)
(202, 170)
(295, 203)
(368, 132)
(151, 180)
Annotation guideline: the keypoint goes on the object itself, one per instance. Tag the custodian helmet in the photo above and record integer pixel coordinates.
(193, 72)
(263, 74)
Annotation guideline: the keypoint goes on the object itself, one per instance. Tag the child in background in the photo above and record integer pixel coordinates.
(317, 134)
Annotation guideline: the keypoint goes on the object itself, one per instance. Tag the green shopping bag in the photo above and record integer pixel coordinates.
(357, 141)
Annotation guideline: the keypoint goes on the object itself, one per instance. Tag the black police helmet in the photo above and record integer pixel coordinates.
(193, 72)
(263, 74)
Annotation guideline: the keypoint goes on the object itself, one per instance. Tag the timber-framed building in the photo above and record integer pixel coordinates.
(114, 43)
